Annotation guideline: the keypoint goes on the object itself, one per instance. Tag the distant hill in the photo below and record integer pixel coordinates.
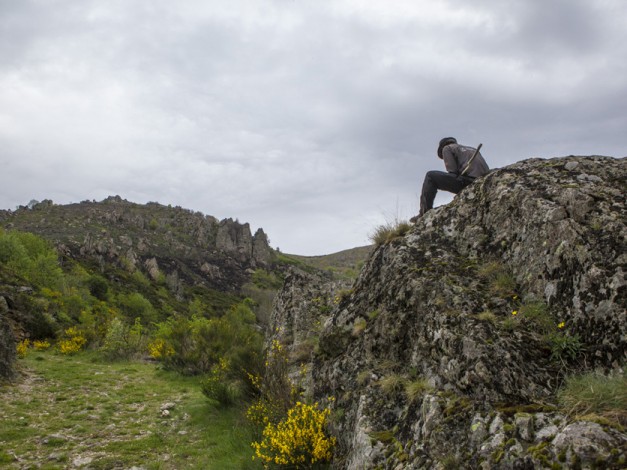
(345, 264)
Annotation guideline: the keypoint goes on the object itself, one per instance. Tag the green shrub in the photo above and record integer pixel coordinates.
(135, 305)
(196, 344)
(95, 320)
(564, 347)
(98, 287)
(30, 257)
(276, 390)
(123, 341)
(266, 279)
(219, 387)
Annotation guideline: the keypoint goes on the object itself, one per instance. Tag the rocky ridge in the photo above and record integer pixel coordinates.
(184, 245)
(449, 349)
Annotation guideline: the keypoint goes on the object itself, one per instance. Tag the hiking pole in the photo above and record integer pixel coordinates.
(471, 159)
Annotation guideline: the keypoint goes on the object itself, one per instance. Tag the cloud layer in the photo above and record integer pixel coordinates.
(314, 120)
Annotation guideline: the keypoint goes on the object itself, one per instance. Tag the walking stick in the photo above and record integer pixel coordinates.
(471, 159)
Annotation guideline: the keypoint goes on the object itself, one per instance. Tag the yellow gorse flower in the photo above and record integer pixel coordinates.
(561, 325)
(159, 349)
(515, 312)
(73, 343)
(22, 347)
(41, 345)
(300, 439)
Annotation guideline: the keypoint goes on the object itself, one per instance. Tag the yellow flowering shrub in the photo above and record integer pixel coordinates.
(299, 440)
(73, 342)
(22, 347)
(41, 345)
(159, 349)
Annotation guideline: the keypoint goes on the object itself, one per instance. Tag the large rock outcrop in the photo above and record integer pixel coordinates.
(450, 348)
(236, 239)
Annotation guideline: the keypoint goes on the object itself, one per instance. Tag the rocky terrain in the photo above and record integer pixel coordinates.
(186, 246)
(450, 348)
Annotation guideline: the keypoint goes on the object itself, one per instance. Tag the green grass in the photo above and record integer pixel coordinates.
(593, 393)
(344, 264)
(67, 410)
(390, 231)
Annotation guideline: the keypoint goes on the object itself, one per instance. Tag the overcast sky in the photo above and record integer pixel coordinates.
(313, 119)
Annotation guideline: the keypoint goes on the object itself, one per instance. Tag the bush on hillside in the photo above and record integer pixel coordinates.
(194, 345)
(218, 386)
(124, 341)
(98, 287)
(135, 305)
(31, 258)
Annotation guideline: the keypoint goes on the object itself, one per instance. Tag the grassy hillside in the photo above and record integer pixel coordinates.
(344, 264)
(69, 279)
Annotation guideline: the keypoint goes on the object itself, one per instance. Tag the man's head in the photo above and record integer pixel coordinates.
(444, 142)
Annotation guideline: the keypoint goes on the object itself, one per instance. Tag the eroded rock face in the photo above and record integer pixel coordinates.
(236, 239)
(454, 325)
(298, 312)
(7, 343)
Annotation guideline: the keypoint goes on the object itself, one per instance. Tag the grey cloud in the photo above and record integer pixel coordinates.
(314, 120)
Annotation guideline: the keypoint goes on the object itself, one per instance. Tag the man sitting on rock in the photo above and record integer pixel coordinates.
(461, 170)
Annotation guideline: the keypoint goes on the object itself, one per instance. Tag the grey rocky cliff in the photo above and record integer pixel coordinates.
(437, 308)
(236, 239)
(170, 241)
(299, 310)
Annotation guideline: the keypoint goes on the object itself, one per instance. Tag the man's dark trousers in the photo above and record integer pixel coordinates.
(435, 180)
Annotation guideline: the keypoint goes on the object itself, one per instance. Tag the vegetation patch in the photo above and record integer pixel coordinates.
(593, 393)
(390, 231)
(415, 389)
(72, 409)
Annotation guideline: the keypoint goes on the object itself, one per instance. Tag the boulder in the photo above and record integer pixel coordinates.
(449, 349)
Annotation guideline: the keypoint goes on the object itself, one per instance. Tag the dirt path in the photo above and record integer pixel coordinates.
(77, 412)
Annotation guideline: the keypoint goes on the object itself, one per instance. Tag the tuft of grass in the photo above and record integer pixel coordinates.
(392, 383)
(385, 436)
(593, 393)
(488, 316)
(374, 314)
(414, 389)
(500, 281)
(359, 326)
(364, 377)
(537, 313)
(389, 231)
